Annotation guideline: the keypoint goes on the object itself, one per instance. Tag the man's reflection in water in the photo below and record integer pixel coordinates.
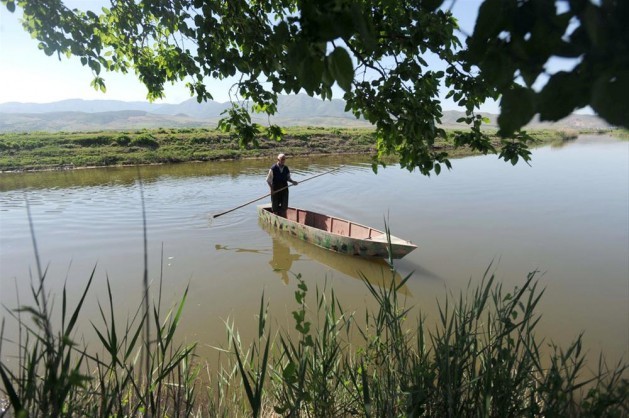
(282, 259)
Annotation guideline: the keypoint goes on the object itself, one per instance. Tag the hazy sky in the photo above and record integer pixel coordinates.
(28, 75)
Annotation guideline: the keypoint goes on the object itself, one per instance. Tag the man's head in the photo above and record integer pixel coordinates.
(281, 159)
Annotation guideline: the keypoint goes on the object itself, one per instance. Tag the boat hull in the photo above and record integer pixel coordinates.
(333, 233)
(376, 271)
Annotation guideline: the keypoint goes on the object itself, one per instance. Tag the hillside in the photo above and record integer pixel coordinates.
(294, 110)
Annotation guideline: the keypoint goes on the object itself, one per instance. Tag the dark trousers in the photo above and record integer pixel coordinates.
(279, 202)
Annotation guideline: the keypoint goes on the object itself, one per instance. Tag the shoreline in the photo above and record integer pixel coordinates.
(68, 151)
(75, 168)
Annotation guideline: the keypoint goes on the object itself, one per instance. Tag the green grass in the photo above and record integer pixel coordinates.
(41, 150)
(63, 150)
(621, 134)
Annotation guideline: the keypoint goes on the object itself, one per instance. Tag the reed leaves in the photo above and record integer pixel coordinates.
(481, 359)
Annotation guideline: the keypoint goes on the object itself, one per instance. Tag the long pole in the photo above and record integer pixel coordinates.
(269, 194)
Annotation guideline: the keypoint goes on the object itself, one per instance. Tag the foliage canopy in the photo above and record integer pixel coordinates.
(378, 52)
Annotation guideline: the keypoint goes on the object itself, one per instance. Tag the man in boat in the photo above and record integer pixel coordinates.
(278, 178)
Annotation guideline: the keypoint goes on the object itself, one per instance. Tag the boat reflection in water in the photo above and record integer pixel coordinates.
(375, 271)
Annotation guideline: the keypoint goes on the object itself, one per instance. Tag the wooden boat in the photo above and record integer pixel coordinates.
(335, 234)
(288, 249)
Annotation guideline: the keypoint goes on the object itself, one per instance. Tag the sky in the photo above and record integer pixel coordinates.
(28, 75)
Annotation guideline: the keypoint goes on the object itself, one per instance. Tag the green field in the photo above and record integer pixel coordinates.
(67, 150)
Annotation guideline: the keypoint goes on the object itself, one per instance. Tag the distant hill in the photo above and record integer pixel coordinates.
(293, 110)
(81, 121)
(574, 121)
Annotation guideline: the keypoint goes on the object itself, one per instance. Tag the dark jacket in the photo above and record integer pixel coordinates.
(280, 178)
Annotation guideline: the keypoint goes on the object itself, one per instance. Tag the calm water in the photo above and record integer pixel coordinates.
(566, 215)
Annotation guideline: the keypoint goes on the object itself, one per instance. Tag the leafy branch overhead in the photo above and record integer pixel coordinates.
(516, 39)
(377, 52)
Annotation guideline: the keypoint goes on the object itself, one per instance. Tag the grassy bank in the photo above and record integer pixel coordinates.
(621, 134)
(67, 150)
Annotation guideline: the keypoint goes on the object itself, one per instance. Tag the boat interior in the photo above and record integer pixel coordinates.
(332, 224)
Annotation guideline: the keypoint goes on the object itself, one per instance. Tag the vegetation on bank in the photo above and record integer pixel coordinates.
(481, 359)
(67, 150)
(621, 134)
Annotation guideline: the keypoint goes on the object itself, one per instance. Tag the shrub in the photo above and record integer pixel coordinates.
(568, 134)
(93, 141)
(145, 141)
(122, 140)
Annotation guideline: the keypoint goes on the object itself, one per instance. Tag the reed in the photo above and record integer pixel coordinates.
(481, 359)
(56, 376)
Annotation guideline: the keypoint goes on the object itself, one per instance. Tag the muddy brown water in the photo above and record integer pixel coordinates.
(566, 215)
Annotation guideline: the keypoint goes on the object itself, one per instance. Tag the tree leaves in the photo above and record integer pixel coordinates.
(517, 39)
(99, 84)
(382, 55)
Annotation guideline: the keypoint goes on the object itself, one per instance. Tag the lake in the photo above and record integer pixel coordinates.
(566, 215)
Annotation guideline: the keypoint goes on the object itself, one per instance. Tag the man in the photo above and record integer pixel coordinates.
(278, 178)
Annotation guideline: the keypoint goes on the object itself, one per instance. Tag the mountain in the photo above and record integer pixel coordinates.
(77, 105)
(84, 115)
(575, 121)
(82, 121)
(293, 110)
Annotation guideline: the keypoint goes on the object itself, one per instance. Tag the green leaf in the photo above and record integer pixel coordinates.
(610, 98)
(295, 56)
(95, 65)
(311, 73)
(431, 5)
(341, 67)
(11, 6)
(498, 68)
(489, 19)
(289, 373)
(517, 109)
(275, 132)
(16, 402)
(364, 27)
(245, 379)
(560, 96)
